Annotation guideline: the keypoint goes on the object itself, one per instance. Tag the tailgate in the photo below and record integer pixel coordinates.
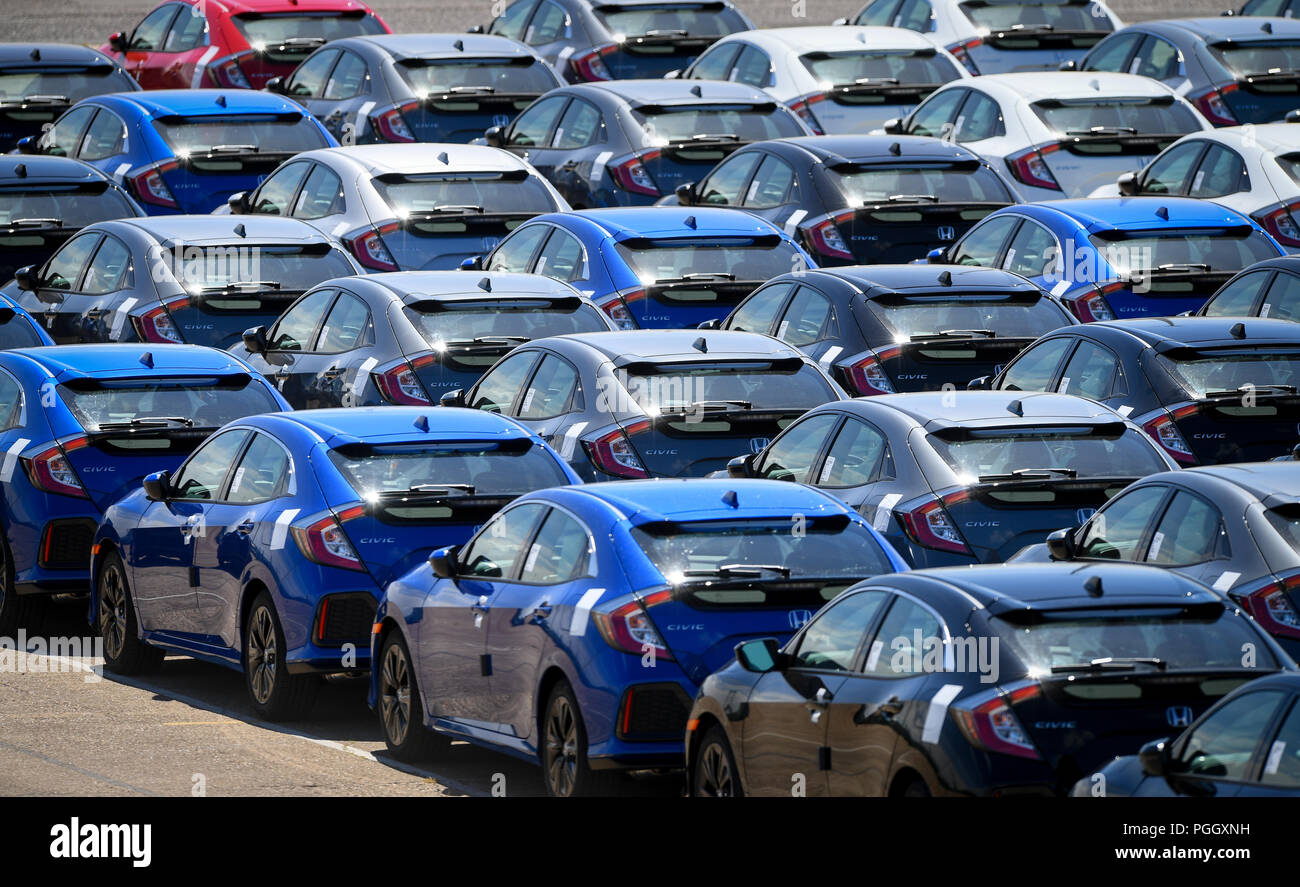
(929, 365)
(461, 118)
(219, 321)
(112, 464)
(1083, 164)
(886, 234)
(1228, 430)
(695, 445)
(440, 243)
(687, 305)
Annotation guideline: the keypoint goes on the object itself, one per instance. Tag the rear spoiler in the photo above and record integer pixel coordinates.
(1130, 100)
(649, 368)
(959, 433)
(508, 445)
(1180, 351)
(560, 303)
(1020, 613)
(179, 376)
(828, 523)
(401, 178)
(704, 5)
(756, 240)
(757, 107)
(969, 164)
(1213, 231)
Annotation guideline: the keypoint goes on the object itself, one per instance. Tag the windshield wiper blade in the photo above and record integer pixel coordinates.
(239, 286)
(908, 198)
(454, 90)
(35, 223)
(727, 571)
(666, 32)
(39, 98)
(1248, 389)
(1102, 131)
(1120, 663)
(954, 334)
(706, 406)
(446, 209)
(1180, 268)
(487, 340)
(229, 149)
(703, 137)
(440, 489)
(148, 422)
(698, 275)
(1029, 474)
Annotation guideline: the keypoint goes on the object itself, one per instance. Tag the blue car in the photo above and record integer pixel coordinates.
(18, 329)
(267, 550)
(662, 267)
(82, 425)
(184, 150)
(1112, 258)
(576, 627)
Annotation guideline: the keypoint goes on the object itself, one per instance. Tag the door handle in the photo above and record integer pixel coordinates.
(891, 708)
(540, 612)
(480, 606)
(569, 166)
(821, 700)
(334, 372)
(245, 528)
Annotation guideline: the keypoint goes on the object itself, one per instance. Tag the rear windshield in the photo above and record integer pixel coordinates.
(479, 468)
(670, 19)
(1059, 15)
(1209, 371)
(742, 386)
(1286, 520)
(1005, 316)
(1177, 640)
(996, 453)
(523, 75)
(273, 30)
(1178, 251)
(669, 261)
(17, 332)
(289, 269)
(242, 135)
(72, 206)
(874, 66)
(746, 123)
(466, 323)
(1247, 59)
(490, 192)
(71, 84)
(168, 402)
(1117, 116)
(937, 183)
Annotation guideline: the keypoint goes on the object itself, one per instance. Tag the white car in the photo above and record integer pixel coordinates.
(1058, 134)
(838, 80)
(1252, 169)
(1000, 36)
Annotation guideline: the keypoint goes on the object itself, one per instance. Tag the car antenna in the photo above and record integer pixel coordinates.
(147, 359)
(21, 170)
(730, 498)
(696, 91)
(1238, 331)
(1016, 407)
(690, 222)
(36, 54)
(443, 158)
(221, 100)
(946, 278)
(700, 345)
(1163, 212)
(422, 423)
(485, 284)
(241, 230)
(1267, 27)
(1096, 84)
(896, 149)
(1092, 585)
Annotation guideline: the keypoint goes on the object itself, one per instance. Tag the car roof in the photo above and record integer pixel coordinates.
(837, 38)
(44, 167)
(50, 53)
(414, 286)
(1271, 482)
(882, 279)
(205, 102)
(635, 346)
(709, 499)
(198, 230)
(671, 221)
(1231, 28)
(856, 148)
(1273, 138)
(946, 409)
(676, 92)
(345, 425)
(421, 157)
(1280, 263)
(236, 7)
(425, 46)
(148, 358)
(1141, 213)
(1163, 333)
(1034, 86)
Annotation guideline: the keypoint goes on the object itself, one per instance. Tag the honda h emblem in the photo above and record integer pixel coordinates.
(947, 232)
(799, 618)
(758, 444)
(1178, 716)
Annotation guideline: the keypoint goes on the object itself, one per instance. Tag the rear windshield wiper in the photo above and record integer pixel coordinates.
(698, 275)
(728, 571)
(35, 223)
(706, 137)
(37, 99)
(1102, 131)
(706, 406)
(954, 334)
(239, 286)
(907, 198)
(666, 32)
(433, 490)
(488, 340)
(447, 209)
(1248, 389)
(1272, 74)
(1029, 474)
(147, 422)
(1179, 268)
(1120, 663)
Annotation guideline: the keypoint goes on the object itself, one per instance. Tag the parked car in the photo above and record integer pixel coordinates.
(18, 329)
(39, 81)
(1270, 288)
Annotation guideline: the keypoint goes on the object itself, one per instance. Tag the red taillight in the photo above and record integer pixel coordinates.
(1272, 609)
(1281, 223)
(51, 471)
(617, 307)
(391, 126)
(629, 628)
(225, 72)
(631, 174)
(1164, 432)
(401, 384)
(614, 455)
(826, 239)
(868, 377)
(368, 246)
(1214, 105)
(930, 526)
(156, 324)
(961, 51)
(803, 107)
(149, 187)
(324, 542)
(1030, 167)
(1093, 306)
(589, 65)
(993, 725)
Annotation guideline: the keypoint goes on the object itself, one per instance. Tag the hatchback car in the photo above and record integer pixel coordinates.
(668, 403)
(183, 151)
(631, 142)
(417, 87)
(408, 337)
(406, 207)
(981, 681)
(1207, 389)
(39, 81)
(1120, 257)
(233, 44)
(839, 80)
(1270, 288)
(285, 528)
(18, 329)
(1057, 134)
(962, 478)
(857, 199)
(575, 627)
(81, 426)
(653, 268)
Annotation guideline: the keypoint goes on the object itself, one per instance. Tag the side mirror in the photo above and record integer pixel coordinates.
(983, 383)
(28, 145)
(1292, 116)
(276, 85)
(26, 278)
(255, 340)
(474, 29)
(1128, 184)
(741, 466)
(453, 398)
(117, 42)
(1154, 757)
(714, 324)
(157, 486)
(937, 256)
(675, 74)
(760, 656)
(894, 126)
(473, 263)
(840, 21)
(238, 203)
(685, 193)
(1061, 545)
(1070, 65)
(495, 136)
(443, 561)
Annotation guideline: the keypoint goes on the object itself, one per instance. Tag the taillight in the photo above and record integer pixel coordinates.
(51, 471)
(631, 175)
(629, 628)
(993, 725)
(1030, 167)
(1272, 609)
(826, 239)
(614, 455)
(1214, 105)
(616, 306)
(961, 51)
(401, 385)
(1281, 223)
(391, 126)
(1164, 432)
(1093, 306)
(803, 107)
(226, 72)
(931, 527)
(148, 186)
(868, 377)
(156, 324)
(324, 542)
(368, 246)
(589, 65)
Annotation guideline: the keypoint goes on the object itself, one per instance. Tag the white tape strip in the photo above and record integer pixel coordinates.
(582, 612)
(884, 511)
(570, 445)
(362, 113)
(1061, 287)
(1124, 410)
(938, 712)
(874, 656)
(1274, 758)
(598, 166)
(120, 172)
(1156, 541)
(120, 315)
(831, 353)
(562, 59)
(202, 65)
(11, 458)
(1226, 580)
(363, 373)
(792, 223)
(281, 532)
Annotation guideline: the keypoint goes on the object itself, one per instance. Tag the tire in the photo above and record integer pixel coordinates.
(16, 611)
(401, 713)
(916, 789)
(275, 694)
(564, 751)
(714, 773)
(124, 652)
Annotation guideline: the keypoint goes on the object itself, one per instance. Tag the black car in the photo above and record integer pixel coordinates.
(882, 329)
(46, 200)
(1208, 389)
(1270, 288)
(1235, 528)
(858, 199)
(962, 478)
(1246, 746)
(984, 681)
(408, 337)
(39, 81)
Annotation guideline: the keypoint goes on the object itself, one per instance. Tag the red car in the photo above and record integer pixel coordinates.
(237, 44)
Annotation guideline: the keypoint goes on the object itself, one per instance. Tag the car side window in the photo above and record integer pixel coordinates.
(1222, 746)
(296, 330)
(1238, 297)
(550, 391)
(321, 196)
(63, 139)
(715, 63)
(1112, 53)
(1283, 299)
(348, 79)
(772, 185)
(558, 553)
(831, 640)
(262, 474)
(202, 476)
(148, 35)
(1033, 251)
(893, 651)
(532, 129)
(860, 455)
(548, 24)
(511, 22)
(1222, 172)
(810, 318)
(753, 68)
(983, 244)
(1169, 172)
(1190, 532)
(980, 118)
(516, 251)
(63, 270)
(1157, 59)
(308, 81)
(723, 187)
(1091, 372)
(496, 392)
(276, 194)
(348, 326)
(933, 117)
(188, 31)
(110, 269)
(879, 13)
(105, 137)
(916, 15)
(496, 550)
(792, 455)
(1115, 532)
(562, 258)
(1282, 762)
(579, 127)
(757, 313)
(1035, 368)
(11, 402)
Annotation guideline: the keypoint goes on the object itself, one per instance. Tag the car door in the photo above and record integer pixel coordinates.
(569, 165)
(321, 201)
(783, 734)
(512, 21)
(563, 257)
(752, 68)
(808, 321)
(1171, 172)
(516, 252)
(278, 195)
(1114, 53)
(1280, 768)
(180, 64)
(797, 451)
(1160, 60)
(1192, 538)
(54, 301)
(109, 276)
(63, 139)
(715, 63)
(984, 244)
(345, 91)
(1034, 253)
(1122, 529)
(1220, 173)
(935, 115)
(552, 394)
(1221, 754)
(859, 468)
(1241, 296)
(145, 46)
(104, 144)
(759, 311)
(306, 85)
(1035, 368)
(773, 192)
(530, 135)
(341, 349)
(1092, 371)
(499, 389)
(728, 183)
(290, 361)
